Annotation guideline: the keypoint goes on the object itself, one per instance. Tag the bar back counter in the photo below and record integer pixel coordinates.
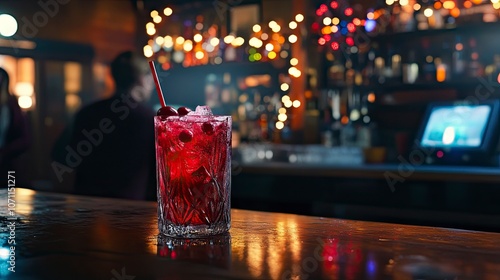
(343, 187)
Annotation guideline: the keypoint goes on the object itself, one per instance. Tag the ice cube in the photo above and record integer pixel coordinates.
(201, 175)
(202, 111)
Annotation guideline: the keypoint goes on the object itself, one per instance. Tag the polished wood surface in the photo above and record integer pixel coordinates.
(74, 237)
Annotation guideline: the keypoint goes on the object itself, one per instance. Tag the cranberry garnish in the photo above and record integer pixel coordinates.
(167, 112)
(183, 111)
(208, 128)
(186, 136)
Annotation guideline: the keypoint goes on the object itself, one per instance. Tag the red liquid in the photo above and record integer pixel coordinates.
(193, 162)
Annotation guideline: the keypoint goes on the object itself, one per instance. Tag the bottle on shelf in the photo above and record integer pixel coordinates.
(475, 68)
(459, 62)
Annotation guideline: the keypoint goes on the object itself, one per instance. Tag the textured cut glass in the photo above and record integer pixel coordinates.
(193, 157)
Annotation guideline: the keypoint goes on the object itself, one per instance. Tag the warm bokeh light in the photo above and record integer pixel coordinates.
(214, 41)
(280, 125)
(292, 38)
(228, 39)
(282, 117)
(326, 30)
(428, 12)
(255, 42)
(168, 11)
(335, 21)
(269, 47)
(188, 45)
(327, 20)
(288, 103)
(455, 12)
(284, 87)
(154, 13)
(151, 31)
(403, 2)
(237, 42)
(199, 55)
(24, 88)
(179, 40)
(159, 40)
(283, 110)
(8, 25)
(169, 42)
(441, 73)
(271, 55)
(299, 18)
(371, 97)
(449, 4)
(292, 25)
(294, 62)
(157, 19)
(467, 4)
(148, 51)
(256, 28)
(25, 102)
(296, 104)
(293, 71)
(417, 7)
(285, 98)
(197, 38)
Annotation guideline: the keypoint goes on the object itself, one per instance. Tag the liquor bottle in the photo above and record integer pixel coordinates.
(475, 68)
(459, 61)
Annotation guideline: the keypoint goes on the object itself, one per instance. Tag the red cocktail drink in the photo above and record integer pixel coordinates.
(193, 157)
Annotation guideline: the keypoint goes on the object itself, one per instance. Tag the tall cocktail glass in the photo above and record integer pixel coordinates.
(193, 160)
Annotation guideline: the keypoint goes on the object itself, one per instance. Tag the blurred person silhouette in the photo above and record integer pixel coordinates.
(14, 132)
(111, 142)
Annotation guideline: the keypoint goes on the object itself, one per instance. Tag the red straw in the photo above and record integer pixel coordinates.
(157, 83)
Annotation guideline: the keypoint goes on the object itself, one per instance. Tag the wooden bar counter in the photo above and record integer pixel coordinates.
(60, 236)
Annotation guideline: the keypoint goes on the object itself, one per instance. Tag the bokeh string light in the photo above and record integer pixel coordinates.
(340, 26)
(202, 43)
(209, 44)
